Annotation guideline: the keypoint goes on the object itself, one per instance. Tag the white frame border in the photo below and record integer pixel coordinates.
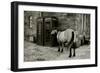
(22, 64)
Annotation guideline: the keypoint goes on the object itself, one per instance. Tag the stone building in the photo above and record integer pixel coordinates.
(30, 23)
(75, 21)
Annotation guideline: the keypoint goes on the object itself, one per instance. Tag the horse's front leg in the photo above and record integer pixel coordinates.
(62, 47)
(59, 47)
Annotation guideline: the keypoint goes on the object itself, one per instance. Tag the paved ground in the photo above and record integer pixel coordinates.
(34, 52)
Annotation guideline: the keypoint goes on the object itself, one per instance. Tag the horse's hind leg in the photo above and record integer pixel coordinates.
(70, 48)
(74, 49)
(74, 52)
(70, 54)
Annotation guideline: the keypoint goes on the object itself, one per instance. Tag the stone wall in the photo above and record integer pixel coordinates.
(79, 22)
(30, 21)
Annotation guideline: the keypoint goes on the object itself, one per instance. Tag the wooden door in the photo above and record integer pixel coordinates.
(40, 31)
(47, 31)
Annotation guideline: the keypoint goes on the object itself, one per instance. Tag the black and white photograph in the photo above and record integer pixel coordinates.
(53, 36)
(56, 36)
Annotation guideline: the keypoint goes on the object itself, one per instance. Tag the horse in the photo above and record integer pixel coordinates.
(67, 37)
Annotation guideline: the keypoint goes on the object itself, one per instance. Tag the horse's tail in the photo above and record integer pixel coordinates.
(72, 39)
(72, 36)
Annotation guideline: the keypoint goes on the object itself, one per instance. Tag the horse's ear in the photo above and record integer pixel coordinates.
(53, 31)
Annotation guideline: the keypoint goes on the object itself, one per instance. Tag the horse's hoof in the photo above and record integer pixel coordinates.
(69, 56)
(74, 55)
(58, 50)
(61, 50)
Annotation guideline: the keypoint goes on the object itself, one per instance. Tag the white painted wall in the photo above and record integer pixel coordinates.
(5, 20)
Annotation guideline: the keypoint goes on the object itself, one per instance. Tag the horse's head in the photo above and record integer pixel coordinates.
(53, 32)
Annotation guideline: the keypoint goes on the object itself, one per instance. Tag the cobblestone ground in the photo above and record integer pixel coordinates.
(34, 52)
